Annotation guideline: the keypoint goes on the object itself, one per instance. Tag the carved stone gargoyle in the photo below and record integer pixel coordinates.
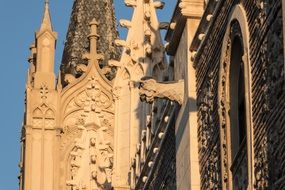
(151, 89)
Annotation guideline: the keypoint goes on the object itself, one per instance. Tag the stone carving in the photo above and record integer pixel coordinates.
(150, 89)
(272, 64)
(261, 167)
(262, 6)
(223, 112)
(130, 3)
(92, 133)
(225, 138)
(81, 68)
(69, 78)
(95, 94)
(87, 134)
(125, 23)
(43, 116)
(229, 177)
(44, 92)
(91, 153)
(208, 130)
(116, 92)
(93, 98)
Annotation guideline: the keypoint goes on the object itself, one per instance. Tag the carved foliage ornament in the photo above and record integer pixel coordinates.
(94, 95)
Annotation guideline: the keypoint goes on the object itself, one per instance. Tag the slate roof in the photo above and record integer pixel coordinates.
(77, 42)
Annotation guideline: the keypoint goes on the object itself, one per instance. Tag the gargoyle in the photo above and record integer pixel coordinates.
(150, 90)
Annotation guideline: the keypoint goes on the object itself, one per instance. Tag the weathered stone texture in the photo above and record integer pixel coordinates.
(77, 42)
(267, 69)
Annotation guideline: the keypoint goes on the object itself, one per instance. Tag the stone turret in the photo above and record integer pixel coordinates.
(39, 130)
(77, 43)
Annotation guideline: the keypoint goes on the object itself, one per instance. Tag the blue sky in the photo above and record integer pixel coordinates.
(19, 20)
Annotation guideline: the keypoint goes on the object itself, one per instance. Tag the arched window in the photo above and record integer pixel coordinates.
(236, 133)
(237, 115)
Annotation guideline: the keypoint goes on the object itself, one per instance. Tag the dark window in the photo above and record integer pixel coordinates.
(238, 116)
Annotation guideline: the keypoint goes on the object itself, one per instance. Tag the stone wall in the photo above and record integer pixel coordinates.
(181, 56)
(155, 164)
(164, 176)
(267, 83)
(77, 42)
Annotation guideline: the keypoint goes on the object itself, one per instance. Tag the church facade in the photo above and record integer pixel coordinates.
(121, 115)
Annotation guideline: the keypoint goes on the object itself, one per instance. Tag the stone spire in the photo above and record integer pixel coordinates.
(45, 52)
(77, 42)
(46, 23)
(39, 156)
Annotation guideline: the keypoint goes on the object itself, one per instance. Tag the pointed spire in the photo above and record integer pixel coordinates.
(76, 38)
(45, 44)
(46, 23)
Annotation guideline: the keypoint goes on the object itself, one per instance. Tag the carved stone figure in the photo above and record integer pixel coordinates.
(150, 89)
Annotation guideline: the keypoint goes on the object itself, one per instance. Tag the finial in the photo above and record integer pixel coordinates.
(93, 37)
(46, 23)
(93, 22)
(93, 25)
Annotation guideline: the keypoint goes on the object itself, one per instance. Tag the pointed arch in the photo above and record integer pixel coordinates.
(37, 113)
(49, 113)
(234, 93)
